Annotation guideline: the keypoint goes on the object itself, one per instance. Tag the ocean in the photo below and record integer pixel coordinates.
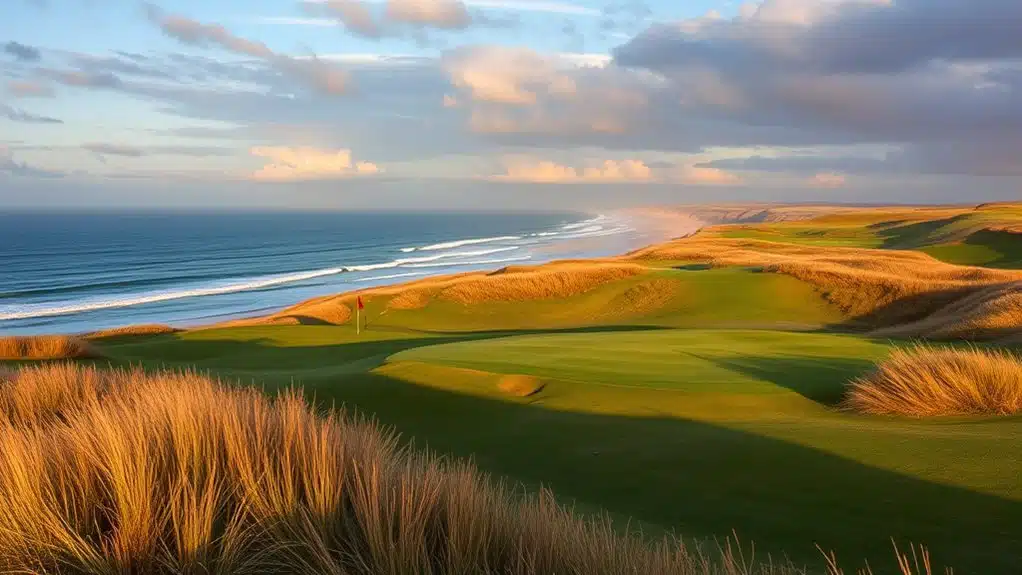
(78, 272)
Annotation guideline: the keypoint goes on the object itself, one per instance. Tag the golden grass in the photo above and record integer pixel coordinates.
(539, 282)
(514, 283)
(127, 472)
(45, 347)
(520, 385)
(926, 381)
(409, 300)
(144, 329)
(647, 297)
(880, 288)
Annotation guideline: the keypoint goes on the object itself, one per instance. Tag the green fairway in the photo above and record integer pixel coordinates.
(972, 237)
(698, 431)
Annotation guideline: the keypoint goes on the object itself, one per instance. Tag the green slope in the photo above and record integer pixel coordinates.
(700, 431)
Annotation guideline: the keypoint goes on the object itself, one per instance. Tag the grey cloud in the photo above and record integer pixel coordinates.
(110, 149)
(82, 79)
(320, 75)
(847, 36)
(16, 115)
(11, 167)
(930, 76)
(802, 164)
(114, 150)
(114, 65)
(22, 52)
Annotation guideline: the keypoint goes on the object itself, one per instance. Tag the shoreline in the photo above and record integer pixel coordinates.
(657, 224)
(663, 224)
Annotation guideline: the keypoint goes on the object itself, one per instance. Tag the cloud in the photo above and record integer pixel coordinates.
(322, 76)
(11, 167)
(397, 18)
(80, 79)
(113, 150)
(29, 89)
(129, 151)
(924, 75)
(828, 180)
(22, 52)
(506, 75)
(305, 163)
(706, 176)
(548, 172)
(16, 115)
(443, 14)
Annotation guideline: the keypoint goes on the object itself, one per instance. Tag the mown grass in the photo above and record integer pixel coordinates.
(925, 381)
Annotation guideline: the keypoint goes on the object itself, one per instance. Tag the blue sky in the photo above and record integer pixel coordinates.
(507, 103)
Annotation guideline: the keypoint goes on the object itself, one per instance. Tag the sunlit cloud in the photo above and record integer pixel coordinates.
(828, 180)
(306, 163)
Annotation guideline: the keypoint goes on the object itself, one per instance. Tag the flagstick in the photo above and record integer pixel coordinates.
(358, 321)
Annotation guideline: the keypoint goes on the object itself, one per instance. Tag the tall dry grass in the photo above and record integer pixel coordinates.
(123, 472)
(112, 472)
(45, 347)
(141, 329)
(924, 381)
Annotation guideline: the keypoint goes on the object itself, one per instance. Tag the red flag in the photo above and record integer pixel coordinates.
(360, 304)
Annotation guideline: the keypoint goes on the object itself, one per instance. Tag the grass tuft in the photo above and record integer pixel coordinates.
(924, 381)
(131, 330)
(45, 347)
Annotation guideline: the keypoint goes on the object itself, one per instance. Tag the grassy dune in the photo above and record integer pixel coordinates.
(987, 235)
(45, 347)
(904, 293)
(130, 330)
(696, 387)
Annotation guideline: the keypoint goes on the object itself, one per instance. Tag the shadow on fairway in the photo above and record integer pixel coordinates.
(820, 379)
(704, 480)
(235, 352)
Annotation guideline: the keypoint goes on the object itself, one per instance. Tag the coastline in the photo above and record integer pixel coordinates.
(658, 224)
(655, 225)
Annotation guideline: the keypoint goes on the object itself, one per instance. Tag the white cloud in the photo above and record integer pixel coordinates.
(506, 75)
(548, 172)
(828, 180)
(306, 163)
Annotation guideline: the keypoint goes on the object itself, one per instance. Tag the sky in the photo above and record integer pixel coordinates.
(507, 104)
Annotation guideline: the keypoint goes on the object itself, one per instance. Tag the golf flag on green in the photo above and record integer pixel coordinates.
(359, 306)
